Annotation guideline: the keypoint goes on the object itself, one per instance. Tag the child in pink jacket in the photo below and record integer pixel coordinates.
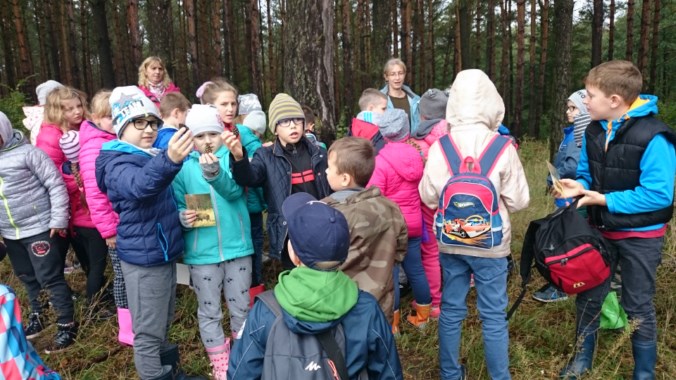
(399, 168)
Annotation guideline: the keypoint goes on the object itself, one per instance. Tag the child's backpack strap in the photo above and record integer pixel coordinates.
(269, 299)
(451, 153)
(491, 154)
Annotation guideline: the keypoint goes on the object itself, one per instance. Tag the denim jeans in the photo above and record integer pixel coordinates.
(638, 259)
(257, 240)
(490, 281)
(415, 272)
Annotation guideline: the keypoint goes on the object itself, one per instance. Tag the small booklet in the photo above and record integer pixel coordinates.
(556, 180)
(205, 209)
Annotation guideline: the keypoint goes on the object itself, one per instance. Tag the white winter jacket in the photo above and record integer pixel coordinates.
(474, 113)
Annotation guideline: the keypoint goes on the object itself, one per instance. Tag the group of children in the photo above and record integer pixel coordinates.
(342, 222)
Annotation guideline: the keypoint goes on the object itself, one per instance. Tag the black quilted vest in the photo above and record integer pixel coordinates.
(619, 169)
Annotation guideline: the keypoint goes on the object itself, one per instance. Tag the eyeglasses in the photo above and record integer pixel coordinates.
(142, 124)
(287, 122)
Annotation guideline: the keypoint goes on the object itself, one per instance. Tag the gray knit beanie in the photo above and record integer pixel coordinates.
(577, 98)
(433, 104)
(394, 125)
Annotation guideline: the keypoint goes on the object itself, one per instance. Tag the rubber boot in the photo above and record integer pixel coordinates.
(219, 358)
(645, 357)
(421, 317)
(172, 358)
(581, 363)
(125, 333)
(395, 323)
(254, 291)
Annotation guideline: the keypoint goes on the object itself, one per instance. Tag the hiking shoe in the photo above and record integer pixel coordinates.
(65, 337)
(34, 327)
(549, 293)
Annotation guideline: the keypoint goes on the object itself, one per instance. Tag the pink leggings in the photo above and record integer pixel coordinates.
(430, 256)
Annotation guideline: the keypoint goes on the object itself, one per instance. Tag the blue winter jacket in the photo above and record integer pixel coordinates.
(138, 186)
(164, 135)
(369, 344)
(230, 238)
(658, 166)
(565, 161)
(255, 200)
(413, 101)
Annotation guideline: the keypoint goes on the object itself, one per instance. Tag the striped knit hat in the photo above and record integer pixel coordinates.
(70, 145)
(283, 107)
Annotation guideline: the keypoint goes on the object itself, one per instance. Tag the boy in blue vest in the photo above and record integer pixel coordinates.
(316, 297)
(626, 178)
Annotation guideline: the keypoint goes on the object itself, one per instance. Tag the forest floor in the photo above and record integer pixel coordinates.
(541, 336)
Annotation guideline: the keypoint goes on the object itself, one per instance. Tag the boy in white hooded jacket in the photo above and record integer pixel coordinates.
(474, 113)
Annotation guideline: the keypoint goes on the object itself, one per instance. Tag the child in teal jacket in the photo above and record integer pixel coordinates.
(218, 254)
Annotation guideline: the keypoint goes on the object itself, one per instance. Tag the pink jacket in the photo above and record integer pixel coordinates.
(399, 168)
(474, 112)
(100, 208)
(439, 129)
(48, 141)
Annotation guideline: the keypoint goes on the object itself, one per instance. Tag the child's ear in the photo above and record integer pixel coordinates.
(174, 113)
(616, 101)
(345, 179)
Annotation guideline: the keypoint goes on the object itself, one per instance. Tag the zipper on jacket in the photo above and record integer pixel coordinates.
(6, 203)
(164, 245)
(218, 222)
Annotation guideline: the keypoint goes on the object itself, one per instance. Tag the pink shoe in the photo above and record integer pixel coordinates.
(219, 358)
(125, 333)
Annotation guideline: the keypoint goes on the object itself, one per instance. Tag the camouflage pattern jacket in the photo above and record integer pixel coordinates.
(378, 237)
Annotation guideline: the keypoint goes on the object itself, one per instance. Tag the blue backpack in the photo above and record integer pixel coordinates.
(468, 211)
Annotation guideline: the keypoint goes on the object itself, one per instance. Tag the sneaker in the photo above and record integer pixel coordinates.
(34, 327)
(549, 293)
(65, 337)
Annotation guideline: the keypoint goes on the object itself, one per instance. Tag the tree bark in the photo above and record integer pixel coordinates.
(25, 61)
(160, 34)
(134, 33)
(544, 45)
(216, 40)
(100, 21)
(478, 40)
(644, 39)
(310, 54)
(406, 54)
(348, 60)
(39, 18)
(629, 55)
(189, 6)
(255, 47)
(74, 65)
(532, 70)
(597, 33)
(520, 52)
(505, 73)
(465, 34)
(611, 30)
(563, 19)
(379, 34)
(8, 53)
(652, 82)
(52, 21)
(490, 40)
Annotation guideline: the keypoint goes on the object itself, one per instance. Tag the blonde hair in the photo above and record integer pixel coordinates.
(54, 109)
(393, 62)
(101, 105)
(215, 87)
(618, 77)
(171, 101)
(369, 97)
(143, 79)
(356, 157)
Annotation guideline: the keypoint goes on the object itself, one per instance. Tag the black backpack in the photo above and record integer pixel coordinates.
(294, 356)
(567, 251)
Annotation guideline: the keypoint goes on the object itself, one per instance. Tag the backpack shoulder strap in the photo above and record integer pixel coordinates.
(269, 299)
(451, 153)
(333, 351)
(526, 263)
(491, 154)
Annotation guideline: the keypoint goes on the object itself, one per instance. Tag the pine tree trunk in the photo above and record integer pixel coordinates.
(457, 45)
(272, 56)
(419, 54)
(505, 73)
(189, 6)
(654, 45)
(532, 70)
(465, 18)
(310, 54)
(379, 34)
(348, 60)
(160, 33)
(52, 23)
(8, 53)
(121, 40)
(431, 59)
(478, 40)
(255, 47)
(629, 55)
(597, 33)
(395, 28)
(544, 44)
(406, 54)
(563, 27)
(134, 33)
(87, 84)
(644, 39)
(611, 30)
(217, 38)
(182, 72)
(66, 58)
(25, 61)
(490, 40)
(520, 52)
(100, 21)
(43, 52)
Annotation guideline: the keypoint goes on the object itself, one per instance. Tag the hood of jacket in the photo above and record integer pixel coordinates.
(314, 300)
(404, 158)
(474, 100)
(644, 105)
(13, 140)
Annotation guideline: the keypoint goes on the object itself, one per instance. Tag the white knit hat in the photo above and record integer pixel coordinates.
(128, 103)
(43, 89)
(256, 121)
(203, 118)
(248, 103)
(70, 145)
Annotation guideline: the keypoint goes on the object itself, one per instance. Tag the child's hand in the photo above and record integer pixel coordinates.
(187, 218)
(233, 144)
(210, 165)
(592, 198)
(111, 242)
(180, 145)
(57, 231)
(570, 189)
